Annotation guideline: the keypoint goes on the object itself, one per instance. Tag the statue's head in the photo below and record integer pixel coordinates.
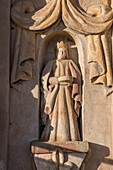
(62, 50)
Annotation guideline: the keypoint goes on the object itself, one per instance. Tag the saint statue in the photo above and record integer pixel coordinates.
(61, 82)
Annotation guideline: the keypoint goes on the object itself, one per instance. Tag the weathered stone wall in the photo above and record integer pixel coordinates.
(24, 123)
(97, 119)
(4, 80)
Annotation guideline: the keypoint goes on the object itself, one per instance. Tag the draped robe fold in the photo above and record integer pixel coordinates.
(94, 23)
(63, 102)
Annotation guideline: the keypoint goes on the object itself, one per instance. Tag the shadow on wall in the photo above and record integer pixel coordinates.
(98, 154)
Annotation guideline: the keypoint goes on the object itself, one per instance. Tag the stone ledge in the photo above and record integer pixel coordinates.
(38, 147)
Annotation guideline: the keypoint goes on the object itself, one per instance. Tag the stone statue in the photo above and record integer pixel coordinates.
(61, 84)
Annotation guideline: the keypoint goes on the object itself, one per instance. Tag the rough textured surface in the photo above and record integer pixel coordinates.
(4, 80)
(23, 127)
(97, 124)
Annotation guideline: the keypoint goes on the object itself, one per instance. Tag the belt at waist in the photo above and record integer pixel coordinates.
(65, 84)
(62, 80)
(65, 79)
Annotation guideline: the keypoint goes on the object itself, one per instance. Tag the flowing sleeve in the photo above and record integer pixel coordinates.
(50, 95)
(76, 90)
(46, 74)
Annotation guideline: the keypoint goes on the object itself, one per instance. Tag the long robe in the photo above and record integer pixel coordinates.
(62, 101)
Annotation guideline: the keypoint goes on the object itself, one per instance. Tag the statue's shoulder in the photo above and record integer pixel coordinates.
(74, 65)
(72, 62)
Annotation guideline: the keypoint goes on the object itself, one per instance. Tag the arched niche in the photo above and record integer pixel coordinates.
(48, 52)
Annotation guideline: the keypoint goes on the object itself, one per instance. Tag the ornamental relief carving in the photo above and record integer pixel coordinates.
(94, 24)
(60, 73)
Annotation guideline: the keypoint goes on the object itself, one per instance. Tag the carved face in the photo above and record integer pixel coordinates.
(61, 53)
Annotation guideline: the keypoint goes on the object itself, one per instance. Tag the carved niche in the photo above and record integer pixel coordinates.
(60, 93)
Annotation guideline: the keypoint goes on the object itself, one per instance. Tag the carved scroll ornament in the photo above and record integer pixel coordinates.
(94, 23)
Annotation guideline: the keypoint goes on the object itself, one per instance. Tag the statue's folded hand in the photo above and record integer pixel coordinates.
(53, 80)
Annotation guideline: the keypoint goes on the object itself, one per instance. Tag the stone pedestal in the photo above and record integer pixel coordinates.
(57, 155)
